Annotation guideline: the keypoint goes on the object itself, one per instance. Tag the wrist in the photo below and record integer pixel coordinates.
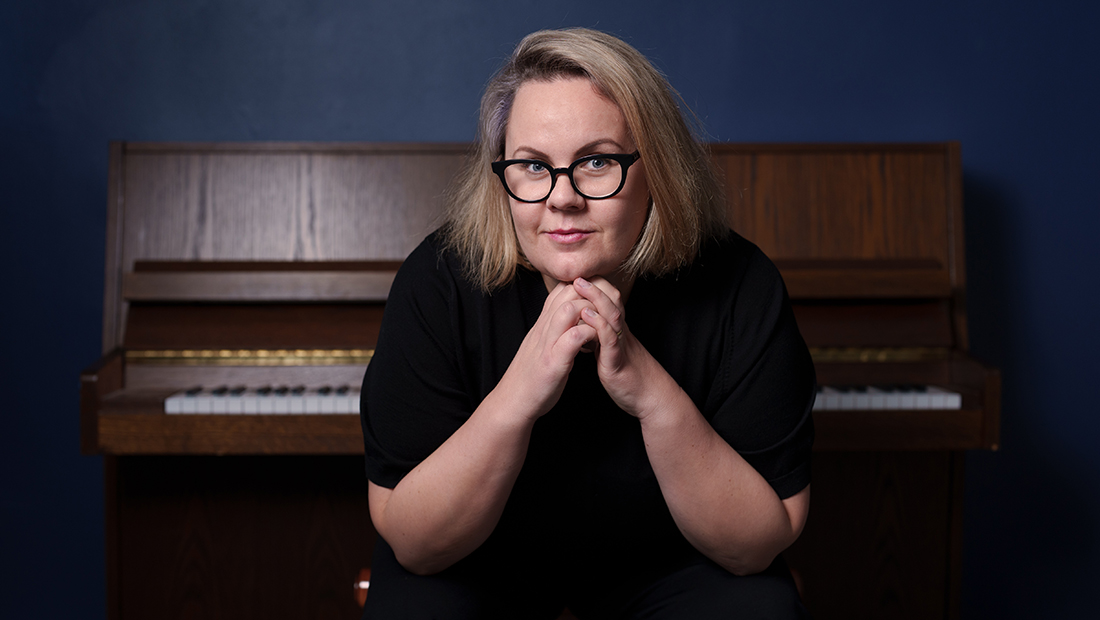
(659, 398)
(508, 408)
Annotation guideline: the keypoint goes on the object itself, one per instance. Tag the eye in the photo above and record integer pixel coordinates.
(535, 167)
(598, 163)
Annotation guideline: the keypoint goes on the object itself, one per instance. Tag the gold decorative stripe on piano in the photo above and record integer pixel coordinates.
(878, 354)
(251, 357)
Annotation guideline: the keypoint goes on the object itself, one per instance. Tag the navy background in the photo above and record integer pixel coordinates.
(1015, 82)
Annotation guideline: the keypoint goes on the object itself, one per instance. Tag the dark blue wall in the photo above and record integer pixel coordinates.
(1015, 82)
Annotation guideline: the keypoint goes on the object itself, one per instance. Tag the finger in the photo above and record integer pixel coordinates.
(608, 335)
(605, 298)
(560, 292)
(544, 326)
(607, 287)
(576, 339)
(566, 316)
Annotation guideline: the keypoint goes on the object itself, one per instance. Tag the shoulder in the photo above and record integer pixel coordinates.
(431, 256)
(734, 256)
(430, 270)
(730, 271)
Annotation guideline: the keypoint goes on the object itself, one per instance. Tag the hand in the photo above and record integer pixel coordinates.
(631, 376)
(537, 375)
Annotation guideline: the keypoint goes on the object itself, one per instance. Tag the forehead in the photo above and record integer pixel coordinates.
(563, 114)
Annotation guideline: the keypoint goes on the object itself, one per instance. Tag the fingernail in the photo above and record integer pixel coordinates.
(590, 312)
(583, 283)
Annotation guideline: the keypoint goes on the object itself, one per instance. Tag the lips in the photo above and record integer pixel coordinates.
(568, 235)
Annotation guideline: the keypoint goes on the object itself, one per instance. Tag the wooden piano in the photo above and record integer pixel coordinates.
(246, 266)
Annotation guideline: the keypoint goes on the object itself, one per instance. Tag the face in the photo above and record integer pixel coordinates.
(568, 236)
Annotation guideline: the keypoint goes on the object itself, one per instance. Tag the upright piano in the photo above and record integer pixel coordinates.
(257, 273)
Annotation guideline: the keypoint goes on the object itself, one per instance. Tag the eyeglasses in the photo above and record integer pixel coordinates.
(594, 177)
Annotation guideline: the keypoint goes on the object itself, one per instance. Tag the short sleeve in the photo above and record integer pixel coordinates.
(413, 395)
(762, 398)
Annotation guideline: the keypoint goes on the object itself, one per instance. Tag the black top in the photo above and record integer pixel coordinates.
(722, 327)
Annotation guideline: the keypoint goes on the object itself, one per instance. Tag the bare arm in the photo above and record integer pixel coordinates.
(721, 504)
(450, 503)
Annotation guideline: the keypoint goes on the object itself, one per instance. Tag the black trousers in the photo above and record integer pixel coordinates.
(696, 590)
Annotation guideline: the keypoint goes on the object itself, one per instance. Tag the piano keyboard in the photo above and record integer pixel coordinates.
(886, 397)
(264, 400)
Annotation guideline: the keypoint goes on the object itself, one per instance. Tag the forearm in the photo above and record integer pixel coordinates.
(449, 504)
(720, 503)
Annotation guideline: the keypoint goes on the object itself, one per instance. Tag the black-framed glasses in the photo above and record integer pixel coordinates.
(594, 176)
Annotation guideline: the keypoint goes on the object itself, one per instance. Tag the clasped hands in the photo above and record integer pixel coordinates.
(582, 315)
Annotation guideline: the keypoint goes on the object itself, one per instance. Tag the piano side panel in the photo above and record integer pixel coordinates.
(96, 382)
(112, 276)
(957, 238)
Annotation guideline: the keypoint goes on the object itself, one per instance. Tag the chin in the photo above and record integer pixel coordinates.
(570, 274)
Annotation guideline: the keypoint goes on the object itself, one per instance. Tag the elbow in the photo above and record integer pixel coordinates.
(421, 564)
(424, 560)
(756, 558)
(748, 565)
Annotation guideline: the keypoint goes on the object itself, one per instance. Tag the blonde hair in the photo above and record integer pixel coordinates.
(686, 206)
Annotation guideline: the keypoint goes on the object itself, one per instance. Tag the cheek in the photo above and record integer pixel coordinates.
(525, 227)
(521, 223)
(634, 216)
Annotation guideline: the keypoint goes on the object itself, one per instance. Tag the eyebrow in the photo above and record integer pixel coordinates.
(587, 148)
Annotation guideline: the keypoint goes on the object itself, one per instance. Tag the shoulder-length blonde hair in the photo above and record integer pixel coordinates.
(686, 202)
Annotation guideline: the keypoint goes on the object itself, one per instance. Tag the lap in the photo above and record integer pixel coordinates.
(470, 590)
(704, 591)
(700, 590)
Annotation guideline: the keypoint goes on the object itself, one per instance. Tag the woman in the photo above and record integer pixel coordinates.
(587, 391)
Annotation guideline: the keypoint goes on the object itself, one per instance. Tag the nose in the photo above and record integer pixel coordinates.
(563, 197)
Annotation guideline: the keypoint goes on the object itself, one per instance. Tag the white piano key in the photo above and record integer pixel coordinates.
(847, 400)
(250, 403)
(297, 403)
(944, 399)
(823, 399)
